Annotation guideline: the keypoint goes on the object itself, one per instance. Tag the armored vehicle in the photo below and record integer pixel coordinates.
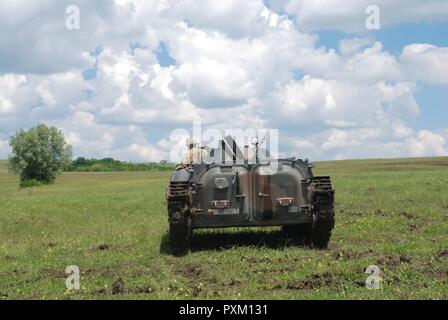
(234, 188)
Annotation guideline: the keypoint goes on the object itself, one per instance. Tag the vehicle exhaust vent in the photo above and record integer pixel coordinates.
(178, 189)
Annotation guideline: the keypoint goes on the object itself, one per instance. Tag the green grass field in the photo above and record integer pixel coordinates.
(390, 213)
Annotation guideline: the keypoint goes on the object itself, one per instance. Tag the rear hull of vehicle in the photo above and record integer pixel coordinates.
(251, 197)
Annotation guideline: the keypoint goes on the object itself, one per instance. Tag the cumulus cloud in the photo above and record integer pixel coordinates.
(92, 139)
(233, 65)
(353, 45)
(425, 62)
(380, 142)
(350, 15)
(426, 143)
(342, 103)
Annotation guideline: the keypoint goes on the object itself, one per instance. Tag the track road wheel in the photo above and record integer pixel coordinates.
(322, 231)
(179, 217)
(323, 201)
(180, 236)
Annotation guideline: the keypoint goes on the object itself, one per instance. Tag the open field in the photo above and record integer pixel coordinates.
(390, 213)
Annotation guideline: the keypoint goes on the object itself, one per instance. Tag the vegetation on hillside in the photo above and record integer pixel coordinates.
(108, 164)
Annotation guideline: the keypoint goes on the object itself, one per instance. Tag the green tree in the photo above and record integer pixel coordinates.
(39, 154)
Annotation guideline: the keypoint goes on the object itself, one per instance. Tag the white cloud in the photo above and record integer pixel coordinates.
(374, 143)
(425, 62)
(9, 86)
(92, 139)
(238, 65)
(52, 48)
(234, 18)
(353, 45)
(142, 152)
(339, 103)
(426, 143)
(347, 139)
(350, 15)
(5, 105)
(374, 64)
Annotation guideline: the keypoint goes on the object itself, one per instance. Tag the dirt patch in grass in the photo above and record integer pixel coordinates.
(442, 274)
(192, 272)
(413, 227)
(19, 272)
(392, 280)
(257, 260)
(274, 271)
(355, 214)
(142, 290)
(343, 254)
(101, 291)
(196, 277)
(54, 273)
(104, 272)
(410, 215)
(233, 283)
(443, 253)
(103, 247)
(276, 286)
(370, 191)
(118, 286)
(380, 213)
(325, 279)
(393, 261)
(416, 221)
(436, 269)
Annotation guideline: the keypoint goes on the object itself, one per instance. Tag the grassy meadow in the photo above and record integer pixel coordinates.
(113, 226)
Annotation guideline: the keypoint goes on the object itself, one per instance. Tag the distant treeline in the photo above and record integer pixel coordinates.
(108, 164)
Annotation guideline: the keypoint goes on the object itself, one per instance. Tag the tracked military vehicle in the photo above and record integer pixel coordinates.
(234, 188)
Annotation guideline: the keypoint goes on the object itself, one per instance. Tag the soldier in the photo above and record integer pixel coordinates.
(195, 154)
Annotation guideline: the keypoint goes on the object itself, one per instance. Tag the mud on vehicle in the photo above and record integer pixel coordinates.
(232, 188)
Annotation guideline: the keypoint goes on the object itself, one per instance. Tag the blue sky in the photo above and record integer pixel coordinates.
(394, 37)
(433, 99)
(130, 82)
